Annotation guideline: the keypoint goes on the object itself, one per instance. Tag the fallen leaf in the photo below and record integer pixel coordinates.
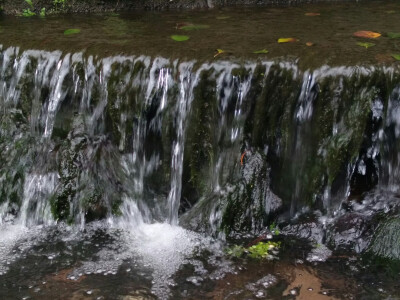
(312, 14)
(194, 27)
(309, 44)
(390, 11)
(219, 51)
(223, 17)
(242, 157)
(263, 51)
(71, 31)
(180, 25)
(367, 34)
(287, 40)
(365, 45)
(179, 38)
(393, 35)
(396, 56)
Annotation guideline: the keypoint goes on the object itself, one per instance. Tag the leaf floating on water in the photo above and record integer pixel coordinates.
(309, 44)
(179, 38)
(390, 11)
(219, 51)
(180, 25)
(367, 34)
(223, 17)
(287, 40)
(194, 27)
(263, 51)
(312, 14)
(365, 45)
(393, 35)
(396, 56)
(71, 31)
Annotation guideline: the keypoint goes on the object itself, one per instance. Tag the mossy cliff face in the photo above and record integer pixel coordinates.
(317, 137)
(240, 143)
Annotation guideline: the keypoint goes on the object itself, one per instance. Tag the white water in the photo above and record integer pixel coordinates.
(161, 247)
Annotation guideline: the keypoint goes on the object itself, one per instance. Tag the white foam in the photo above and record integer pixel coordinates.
(10, 236)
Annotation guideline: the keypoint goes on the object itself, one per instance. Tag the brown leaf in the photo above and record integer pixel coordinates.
(312, 14)
(367, 34)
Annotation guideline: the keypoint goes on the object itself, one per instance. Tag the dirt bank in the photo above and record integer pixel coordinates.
(17, 7)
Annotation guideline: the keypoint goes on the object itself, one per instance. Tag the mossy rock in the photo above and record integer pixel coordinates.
(251, 202)
(200, 144)
(386, 241)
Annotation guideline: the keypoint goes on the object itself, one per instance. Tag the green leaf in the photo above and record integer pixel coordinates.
(179, 38)
(43, 12)
(365, 45)
(235, 251)
(219, 51)
(29, 2)
(71, 31)
(194, 27)
(393, 35)
(263, 51)
(261, 250)
(28, 13)
(396, 56)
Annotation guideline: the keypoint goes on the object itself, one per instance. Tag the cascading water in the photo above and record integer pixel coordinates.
(146, 144)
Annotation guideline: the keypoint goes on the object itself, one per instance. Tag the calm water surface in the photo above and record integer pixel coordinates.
(238, 31)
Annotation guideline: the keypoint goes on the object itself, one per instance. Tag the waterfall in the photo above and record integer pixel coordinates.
(84, 138)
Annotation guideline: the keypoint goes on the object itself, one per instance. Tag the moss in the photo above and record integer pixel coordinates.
(353, 114)
(255, 91)
(123, 100)
(60, 204)
(274, 108)
(239, 72)
(69, 171)
(115, 208)
(201, 141)
(245, 205)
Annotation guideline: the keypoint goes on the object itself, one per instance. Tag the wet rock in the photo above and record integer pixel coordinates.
(83, 161)
(386, 240)
(352, 231)
(251, 201)
(319, 254)
(306, 227)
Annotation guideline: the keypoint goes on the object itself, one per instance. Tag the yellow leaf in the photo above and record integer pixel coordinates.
(287, 40)
(367, 34)
(219, 51)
